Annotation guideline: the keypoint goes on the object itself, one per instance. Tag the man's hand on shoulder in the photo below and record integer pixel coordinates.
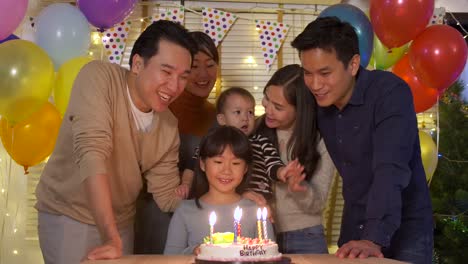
(359, 249)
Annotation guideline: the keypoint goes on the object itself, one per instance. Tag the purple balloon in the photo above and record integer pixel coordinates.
(11, 37)
(104, 14)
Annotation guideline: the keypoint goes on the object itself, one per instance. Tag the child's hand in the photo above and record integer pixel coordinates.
(256, 197)
(182, 191)
(294, 183)
(293, 168)
(260, 201)
(196, 250)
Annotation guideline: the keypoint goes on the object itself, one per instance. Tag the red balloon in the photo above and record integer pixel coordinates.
(438, 56)
(396, 22)
(424, 97)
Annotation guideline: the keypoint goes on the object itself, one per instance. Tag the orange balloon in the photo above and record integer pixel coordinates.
(32, 140)
(424, 97)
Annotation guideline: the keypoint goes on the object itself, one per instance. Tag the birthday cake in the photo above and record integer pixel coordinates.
(224, 249)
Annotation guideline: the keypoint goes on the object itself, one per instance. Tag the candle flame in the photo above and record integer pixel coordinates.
(259, 214)
(212, 218)
(264, 214)
(237, 214)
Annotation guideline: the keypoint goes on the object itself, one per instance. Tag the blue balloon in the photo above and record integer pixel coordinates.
(11, 37)
(63, 32)
(363, 27)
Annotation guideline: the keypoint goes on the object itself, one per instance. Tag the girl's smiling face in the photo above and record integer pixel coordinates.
(224, 172)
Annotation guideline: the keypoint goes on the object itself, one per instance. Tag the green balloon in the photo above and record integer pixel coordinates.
(383, 58)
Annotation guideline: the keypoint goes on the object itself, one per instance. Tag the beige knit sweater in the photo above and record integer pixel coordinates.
(98, 136)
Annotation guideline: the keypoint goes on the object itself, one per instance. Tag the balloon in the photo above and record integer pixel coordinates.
(424, 97)
(396, 22)
(104, 14)
(383, 57)
(438, 56)
(26, 79)
(11, 37)
(63, 32)
(361, 24)
(32, 140)
(11, 14)
(65, 77)
(428, 154)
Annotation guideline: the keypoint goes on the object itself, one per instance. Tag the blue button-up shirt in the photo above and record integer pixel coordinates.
(374, 144)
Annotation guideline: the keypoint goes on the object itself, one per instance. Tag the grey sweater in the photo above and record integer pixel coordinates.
(190, 225)
(299, 210)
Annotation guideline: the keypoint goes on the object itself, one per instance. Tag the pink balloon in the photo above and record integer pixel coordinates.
(11, 14)
(438, 56)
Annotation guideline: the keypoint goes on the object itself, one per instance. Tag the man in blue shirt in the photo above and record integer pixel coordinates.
(368, 122)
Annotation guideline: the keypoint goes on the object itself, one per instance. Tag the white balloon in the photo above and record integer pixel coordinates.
(63, 32)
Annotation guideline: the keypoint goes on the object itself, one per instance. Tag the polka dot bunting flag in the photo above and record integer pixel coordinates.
(114, 41)
(437, 17)
(172, 14)
(216, 23)
(272, 35)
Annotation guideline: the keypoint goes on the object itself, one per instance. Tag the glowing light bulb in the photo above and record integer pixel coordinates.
(250, 60)
(96, 38)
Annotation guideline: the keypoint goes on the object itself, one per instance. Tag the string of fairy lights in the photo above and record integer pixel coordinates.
(465, 32)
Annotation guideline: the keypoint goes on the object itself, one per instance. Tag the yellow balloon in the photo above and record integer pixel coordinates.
(32, 140)
(26, 79)
(64, 82)
(428, 154)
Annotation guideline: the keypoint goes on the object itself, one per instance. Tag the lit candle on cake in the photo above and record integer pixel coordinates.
(259, 223)
(237, 216)
(212, 222)
(264, 217)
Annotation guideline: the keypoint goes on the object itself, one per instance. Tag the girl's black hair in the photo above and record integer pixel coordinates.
(305, 136)
(213, 144)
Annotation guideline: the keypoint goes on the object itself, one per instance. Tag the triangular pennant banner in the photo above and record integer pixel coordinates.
(272, 35)
(176, 14)
(114, 41)
(217, 23)
(437, 17)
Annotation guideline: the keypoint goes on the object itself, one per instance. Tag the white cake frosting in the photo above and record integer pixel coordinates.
(239, 252)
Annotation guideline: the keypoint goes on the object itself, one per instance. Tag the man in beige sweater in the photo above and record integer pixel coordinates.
(116, 133)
